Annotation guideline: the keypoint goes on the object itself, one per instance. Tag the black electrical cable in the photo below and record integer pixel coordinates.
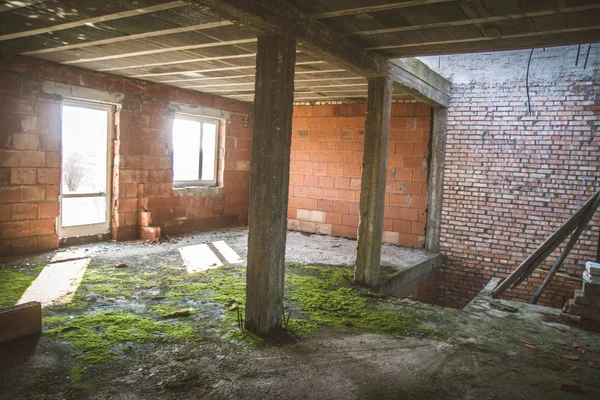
(527, 82)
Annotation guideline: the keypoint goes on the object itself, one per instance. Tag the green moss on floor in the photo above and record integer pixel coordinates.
(94, 336)
(316, 297)
(76, 375)
(327, 298)
(12, 286)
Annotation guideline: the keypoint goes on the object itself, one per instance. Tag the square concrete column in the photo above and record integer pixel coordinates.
(372, 187)
(269, 182)
(435, 179)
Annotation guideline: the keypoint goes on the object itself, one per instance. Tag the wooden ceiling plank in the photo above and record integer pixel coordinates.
(93, 20)
(377, 8)
(200, 71)
(144, 35)
(15, 5)
(476, 21)
(163, 50)
(326, 44)
(502, 44)
(187, 61)
(485, 39)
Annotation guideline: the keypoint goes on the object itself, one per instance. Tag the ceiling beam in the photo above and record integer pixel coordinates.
(94, 20)
(447, 43)
(137, 36)
(475, 21)
(378, 8)
(159, 51)
(323, 43)
(559, 39)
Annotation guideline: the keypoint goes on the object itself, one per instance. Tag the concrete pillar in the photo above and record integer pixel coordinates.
(372, 187)
(435, 179)
(269, 182)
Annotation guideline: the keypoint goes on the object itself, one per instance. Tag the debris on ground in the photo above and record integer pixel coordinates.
(570, 357)
(122, 265)
(525, 342)
(572, 387)
(503, 307)
(560, 328)
(178, 314)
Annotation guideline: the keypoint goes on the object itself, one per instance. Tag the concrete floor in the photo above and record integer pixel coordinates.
(300, 247)
(476, 355)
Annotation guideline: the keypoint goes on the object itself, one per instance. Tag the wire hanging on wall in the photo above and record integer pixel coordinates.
(587, 56)
(527, 81)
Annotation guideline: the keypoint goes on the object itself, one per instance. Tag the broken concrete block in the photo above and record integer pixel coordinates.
(145, 218)
(20, 320)
(583, 311)
(592, 268)
(150, 233)
(589, 301)
(587, 277)
(590, 289)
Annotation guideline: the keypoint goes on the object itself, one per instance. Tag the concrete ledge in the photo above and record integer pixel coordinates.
(403, 282)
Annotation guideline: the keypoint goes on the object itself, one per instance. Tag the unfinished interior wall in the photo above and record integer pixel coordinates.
(512, 177)
(30, 160)
(325, 171)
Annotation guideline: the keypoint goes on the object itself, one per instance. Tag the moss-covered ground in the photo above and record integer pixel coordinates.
(115, 309)
(14, 282)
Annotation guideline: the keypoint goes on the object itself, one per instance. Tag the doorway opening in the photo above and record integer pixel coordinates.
(85, 180)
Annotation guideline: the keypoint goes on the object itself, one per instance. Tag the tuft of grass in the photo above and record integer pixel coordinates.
(94, 336)
(12, 286)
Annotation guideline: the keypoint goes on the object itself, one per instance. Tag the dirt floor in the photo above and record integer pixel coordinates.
(148, 329)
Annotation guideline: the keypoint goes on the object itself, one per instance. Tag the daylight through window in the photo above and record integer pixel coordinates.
(194, 151)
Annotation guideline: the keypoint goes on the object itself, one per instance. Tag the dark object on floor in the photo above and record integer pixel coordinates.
(571, 387)
(20, 320)
(503, 307)
(178, 314)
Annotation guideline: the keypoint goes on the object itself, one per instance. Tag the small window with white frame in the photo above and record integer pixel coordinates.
(195, 151)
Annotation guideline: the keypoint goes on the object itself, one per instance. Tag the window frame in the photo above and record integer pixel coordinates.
(202, 120)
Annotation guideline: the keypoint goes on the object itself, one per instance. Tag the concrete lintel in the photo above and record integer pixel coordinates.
(194, 109)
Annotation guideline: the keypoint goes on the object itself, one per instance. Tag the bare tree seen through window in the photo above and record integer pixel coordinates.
(73, 172)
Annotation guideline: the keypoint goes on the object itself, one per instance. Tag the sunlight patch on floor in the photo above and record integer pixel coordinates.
(57, 283)
(199, 258)
(230, 255)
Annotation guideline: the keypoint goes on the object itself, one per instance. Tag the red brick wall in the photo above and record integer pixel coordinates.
(30, 156)
(325, 173)
(512, 178)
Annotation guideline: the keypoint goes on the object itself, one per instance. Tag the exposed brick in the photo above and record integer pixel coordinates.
(14, 229)
(48, 210)
(41, 227)
(22, 176)
(327, 154)
(24, 211)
